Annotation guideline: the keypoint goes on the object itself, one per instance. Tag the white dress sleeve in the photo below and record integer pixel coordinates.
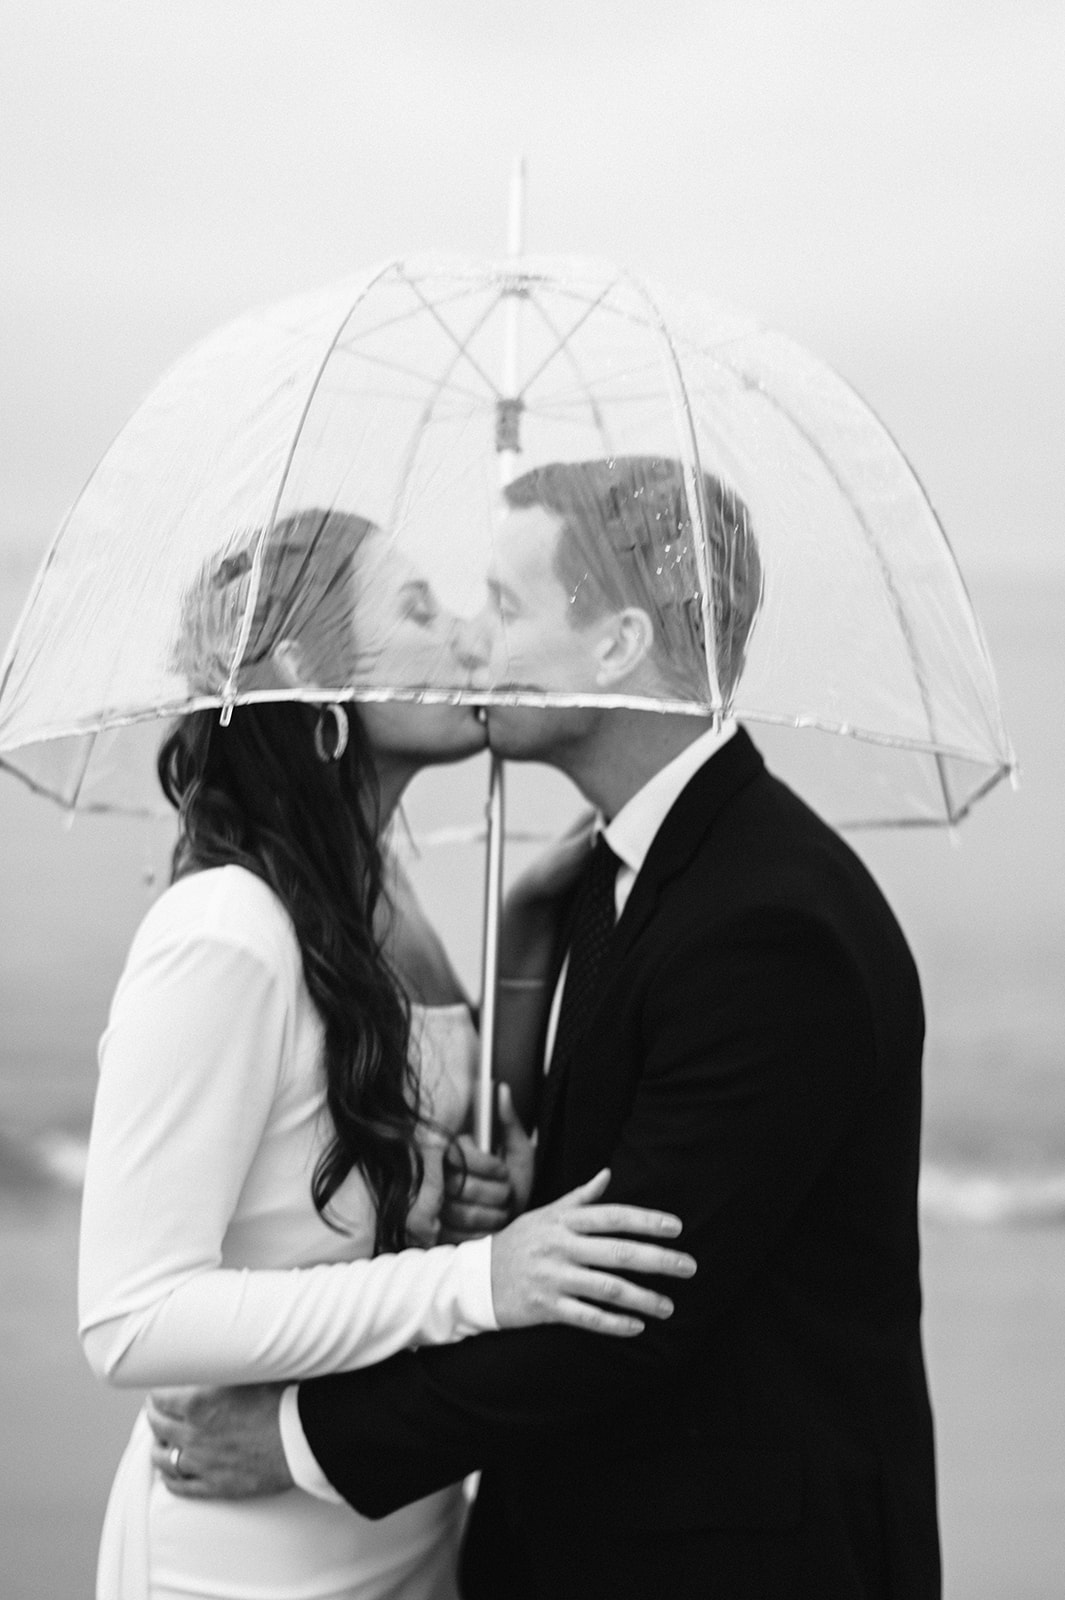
(189, 1068)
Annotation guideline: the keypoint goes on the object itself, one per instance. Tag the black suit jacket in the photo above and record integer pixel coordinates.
(753, 1064)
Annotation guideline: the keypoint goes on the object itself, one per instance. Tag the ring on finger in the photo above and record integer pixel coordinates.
(174, 1458)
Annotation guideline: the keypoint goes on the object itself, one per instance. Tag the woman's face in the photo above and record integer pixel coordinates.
(404, 638)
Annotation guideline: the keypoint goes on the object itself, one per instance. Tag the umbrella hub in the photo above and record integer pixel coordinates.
(508, 423)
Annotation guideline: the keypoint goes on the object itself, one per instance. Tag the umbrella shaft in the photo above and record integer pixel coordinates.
(493, 895)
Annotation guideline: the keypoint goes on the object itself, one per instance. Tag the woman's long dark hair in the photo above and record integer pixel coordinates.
(256, 794)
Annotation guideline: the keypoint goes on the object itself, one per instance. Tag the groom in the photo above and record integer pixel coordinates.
(748, 1057)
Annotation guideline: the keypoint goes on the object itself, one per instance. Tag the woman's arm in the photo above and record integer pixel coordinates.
(190, 1066)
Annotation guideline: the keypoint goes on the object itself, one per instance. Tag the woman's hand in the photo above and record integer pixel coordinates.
(483, 1192)
(563, 1263)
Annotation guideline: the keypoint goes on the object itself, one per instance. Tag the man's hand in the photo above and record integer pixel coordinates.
(219, 1444)
(483, 1192)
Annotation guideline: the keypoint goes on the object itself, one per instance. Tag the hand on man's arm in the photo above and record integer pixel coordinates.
(565, 1262)
(482, 1191)
(741, 1103)
(739, 1106)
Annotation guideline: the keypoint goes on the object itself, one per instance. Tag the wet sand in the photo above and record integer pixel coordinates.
(995, 1315)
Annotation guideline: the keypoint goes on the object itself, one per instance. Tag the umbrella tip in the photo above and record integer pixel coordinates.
(516, 218)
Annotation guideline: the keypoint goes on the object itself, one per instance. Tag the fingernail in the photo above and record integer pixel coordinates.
(671, 1225)
(664, 1308)
(689, 1266)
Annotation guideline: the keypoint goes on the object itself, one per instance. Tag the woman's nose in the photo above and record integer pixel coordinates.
(471, 647)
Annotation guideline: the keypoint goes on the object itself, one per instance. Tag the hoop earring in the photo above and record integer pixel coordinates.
(342, 730)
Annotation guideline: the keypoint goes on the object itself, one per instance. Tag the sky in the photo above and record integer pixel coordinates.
(884, 182)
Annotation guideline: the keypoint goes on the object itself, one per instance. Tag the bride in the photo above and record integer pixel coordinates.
(287, 1057)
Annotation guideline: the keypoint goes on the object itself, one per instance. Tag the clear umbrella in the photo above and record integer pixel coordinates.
(388, 398)
(785, 555)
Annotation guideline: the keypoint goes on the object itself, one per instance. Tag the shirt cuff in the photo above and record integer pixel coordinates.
(474, 1262)
(472, 1285)
(306, 1473)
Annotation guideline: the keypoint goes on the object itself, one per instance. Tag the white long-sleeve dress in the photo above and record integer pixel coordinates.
(204, 1261)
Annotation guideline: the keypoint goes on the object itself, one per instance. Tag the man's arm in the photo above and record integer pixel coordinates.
(748, 1088)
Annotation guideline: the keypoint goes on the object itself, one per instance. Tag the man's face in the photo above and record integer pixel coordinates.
(525, 639)
(533, 641)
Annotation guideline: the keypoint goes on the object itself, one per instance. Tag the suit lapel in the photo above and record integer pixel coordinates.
(683, 830)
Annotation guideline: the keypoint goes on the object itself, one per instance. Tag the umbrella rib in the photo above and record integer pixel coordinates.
(560, 403)
(971, 617)
(405, 316)
(255, 577)
(994, 722)
(410, 455)
(563, 347)
(512, 694)
(574, 393)
(79, 782)
(885, 571)
(408, 372)
(565, 293)
(451, 334)
(697, 499)
(680, 341)
(562, 344)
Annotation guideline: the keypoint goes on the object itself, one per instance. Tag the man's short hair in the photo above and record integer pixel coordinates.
(628, 539)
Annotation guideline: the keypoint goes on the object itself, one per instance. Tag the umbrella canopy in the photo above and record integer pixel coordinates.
(309, 505)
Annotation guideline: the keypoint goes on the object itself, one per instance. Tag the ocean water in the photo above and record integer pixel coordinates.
(985, 913)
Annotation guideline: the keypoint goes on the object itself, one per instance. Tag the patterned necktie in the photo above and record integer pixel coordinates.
(592, 927)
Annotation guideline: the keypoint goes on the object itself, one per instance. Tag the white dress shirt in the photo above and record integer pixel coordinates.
(632, 832)
(630, 835)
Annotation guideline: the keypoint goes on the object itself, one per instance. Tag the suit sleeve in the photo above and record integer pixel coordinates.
(749, 1085)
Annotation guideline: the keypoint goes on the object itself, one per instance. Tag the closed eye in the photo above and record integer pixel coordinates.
(418, 603)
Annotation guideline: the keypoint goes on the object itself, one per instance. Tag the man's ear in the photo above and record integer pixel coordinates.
(625, 643)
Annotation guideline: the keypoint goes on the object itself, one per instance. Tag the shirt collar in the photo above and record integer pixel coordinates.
(631, 833)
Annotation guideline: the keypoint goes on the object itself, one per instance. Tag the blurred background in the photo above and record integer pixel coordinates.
(885, 184)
